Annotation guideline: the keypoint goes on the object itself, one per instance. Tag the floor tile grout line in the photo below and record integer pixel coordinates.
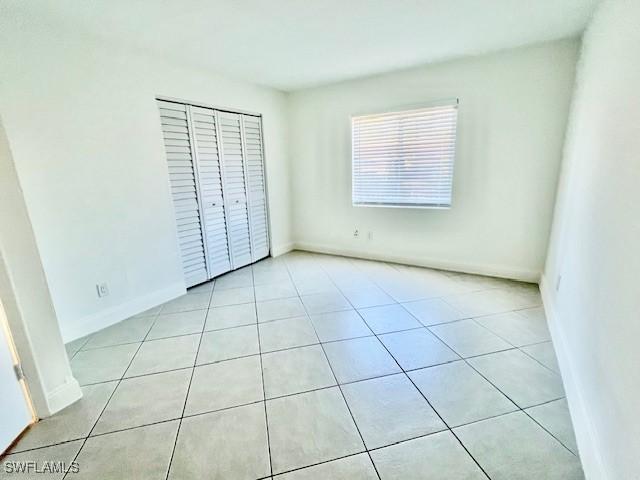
(75, 458)
(264, 394)
(519, 347)
(411, 301)
(546, 429)
(461, 358)
(415, 386)
(430, 405)
(438, 413)
(512, 346)
(155, 317)
(134, 427)
(337, 287)
(446, 429)
(523, 410)
(344, 399)
(309, 345)
(522, 349)
(322, 462)
(422, 325)
(88, 337)
(255, 402)
(496, 333)
(473, 318)
(484, 315)
(433, 408)
(296, 393)
(42, 447)
(186, 397)
(148, 340)
(309, 391)
(340, 290)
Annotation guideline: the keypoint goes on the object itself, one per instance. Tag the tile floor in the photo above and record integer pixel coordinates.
(315, 366)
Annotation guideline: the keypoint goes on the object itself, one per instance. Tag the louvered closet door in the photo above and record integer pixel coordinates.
(254, 168)
(203, 121)
(229, 129)
(184, 191)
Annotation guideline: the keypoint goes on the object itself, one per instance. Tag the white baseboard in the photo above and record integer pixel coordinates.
(62, 396)
(479, 269)
(99, 320)
(278, 250)
(592, 463)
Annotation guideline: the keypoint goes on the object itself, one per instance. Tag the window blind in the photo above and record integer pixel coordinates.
(405, 158)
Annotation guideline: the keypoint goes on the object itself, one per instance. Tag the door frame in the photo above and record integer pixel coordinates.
(7, 336)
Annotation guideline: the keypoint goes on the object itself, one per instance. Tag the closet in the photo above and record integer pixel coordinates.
(216, 172)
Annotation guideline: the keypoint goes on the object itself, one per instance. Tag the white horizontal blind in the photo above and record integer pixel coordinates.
(405, 158)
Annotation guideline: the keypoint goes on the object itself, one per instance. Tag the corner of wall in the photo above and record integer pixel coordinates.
(62, 396)
(278, 250)
(590, 457)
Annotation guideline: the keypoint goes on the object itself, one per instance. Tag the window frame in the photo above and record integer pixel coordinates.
(451, 101)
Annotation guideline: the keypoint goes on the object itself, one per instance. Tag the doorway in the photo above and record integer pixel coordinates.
(16, 412)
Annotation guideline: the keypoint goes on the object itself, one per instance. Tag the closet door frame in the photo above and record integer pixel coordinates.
(188, 104)
(266, 186)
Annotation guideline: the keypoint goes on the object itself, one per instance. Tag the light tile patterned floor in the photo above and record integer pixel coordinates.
(315, 366)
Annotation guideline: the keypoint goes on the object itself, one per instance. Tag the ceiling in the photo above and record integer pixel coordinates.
(292, 44)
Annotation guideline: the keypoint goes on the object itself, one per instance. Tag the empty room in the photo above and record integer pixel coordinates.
(288, 240)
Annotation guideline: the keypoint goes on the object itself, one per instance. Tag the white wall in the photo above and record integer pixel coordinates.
(85, 133)
(512, 117)
(26, 299)
(595, 313)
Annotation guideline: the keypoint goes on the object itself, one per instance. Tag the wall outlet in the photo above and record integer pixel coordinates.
(356, 233)
(369, 235)
(103, 289)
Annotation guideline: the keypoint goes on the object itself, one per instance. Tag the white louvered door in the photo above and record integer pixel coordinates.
(234, 188)
(216, 172)
(255, 184)
(205, 137)
(184, 191)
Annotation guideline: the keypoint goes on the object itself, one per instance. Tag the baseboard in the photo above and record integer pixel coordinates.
(592, 463)
(479, 269)
(115, 314)
(62, 396)
(278, 250)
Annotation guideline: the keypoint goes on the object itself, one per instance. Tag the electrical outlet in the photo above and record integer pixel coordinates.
(356, 233)
(369, 235)
(103, 289)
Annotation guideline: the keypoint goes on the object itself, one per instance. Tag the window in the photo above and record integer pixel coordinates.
(405, 159)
